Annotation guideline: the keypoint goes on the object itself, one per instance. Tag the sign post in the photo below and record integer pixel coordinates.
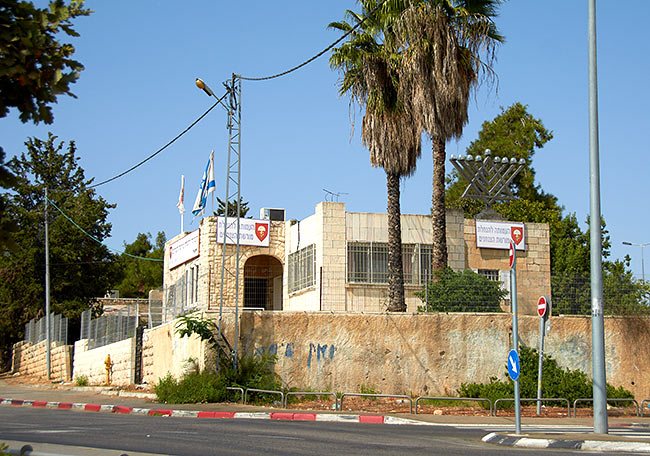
(544, 311)
(513, 358)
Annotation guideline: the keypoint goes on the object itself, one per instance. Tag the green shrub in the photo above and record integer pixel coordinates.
(82, 380)
(251, 372)
(464, 291)
(557, 382)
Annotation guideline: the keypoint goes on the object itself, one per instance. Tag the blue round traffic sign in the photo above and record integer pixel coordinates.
(513, 364)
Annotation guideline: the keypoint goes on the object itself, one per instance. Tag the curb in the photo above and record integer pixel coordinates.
(283, 416)
(589, 445)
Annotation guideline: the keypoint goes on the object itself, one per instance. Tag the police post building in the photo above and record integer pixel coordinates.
(337, 261)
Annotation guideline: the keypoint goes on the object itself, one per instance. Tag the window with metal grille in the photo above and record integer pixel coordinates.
(368, 262)
(302, 268)
(492, 274)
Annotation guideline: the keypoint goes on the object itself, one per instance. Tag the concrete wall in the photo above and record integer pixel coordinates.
(91, 363)
(433, 353)
(31, 359)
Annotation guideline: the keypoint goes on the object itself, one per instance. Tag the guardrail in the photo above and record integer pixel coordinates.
(376, 395)
(262, 391)
(643, 402)
(475, 399)
(587, 399)
(237, 388)
(310, 393)
(543, 399)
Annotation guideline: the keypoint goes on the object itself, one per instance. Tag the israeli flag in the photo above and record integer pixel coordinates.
(208, 185)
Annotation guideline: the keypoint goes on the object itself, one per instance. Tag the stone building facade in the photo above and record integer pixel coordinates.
(336, 261)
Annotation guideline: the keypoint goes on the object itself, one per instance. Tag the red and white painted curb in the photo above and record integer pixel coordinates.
(286, 416)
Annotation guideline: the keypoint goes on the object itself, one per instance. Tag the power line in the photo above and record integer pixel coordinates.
(162, 148)
(306, 62)
(97, 240)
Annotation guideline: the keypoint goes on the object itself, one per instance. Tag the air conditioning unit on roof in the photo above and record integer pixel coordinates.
(275, 215)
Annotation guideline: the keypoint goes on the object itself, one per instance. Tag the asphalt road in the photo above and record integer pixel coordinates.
(183, 436)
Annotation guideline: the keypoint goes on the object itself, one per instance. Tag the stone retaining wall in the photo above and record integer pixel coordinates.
(91, 363)
(31, 359)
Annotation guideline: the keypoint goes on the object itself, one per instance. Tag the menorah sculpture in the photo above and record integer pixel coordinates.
(488, 177)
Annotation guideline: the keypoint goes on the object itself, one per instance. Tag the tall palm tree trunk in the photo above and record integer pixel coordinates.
(438, 211)
(395, 270)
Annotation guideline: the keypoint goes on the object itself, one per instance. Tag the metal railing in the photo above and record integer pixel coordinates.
(35, 331)
(397, 396)
(237, 388)
(310, 393)
(262, 391)
(588, 399)
(543, 399)
(468, 399)
(642, 404)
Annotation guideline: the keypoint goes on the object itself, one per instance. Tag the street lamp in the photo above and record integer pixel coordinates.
(639, 245)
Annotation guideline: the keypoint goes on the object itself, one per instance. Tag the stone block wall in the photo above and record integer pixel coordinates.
(91, 363)
(432, 354)
(31, 359)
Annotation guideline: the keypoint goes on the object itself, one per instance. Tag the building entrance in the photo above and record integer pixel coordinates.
(263, 283)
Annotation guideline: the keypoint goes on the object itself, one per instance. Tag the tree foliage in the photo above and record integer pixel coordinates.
(515, 133)
(138, 276)
(8, 227)
(35, 67)
(464, 291)
(232, 208)
(80, 267)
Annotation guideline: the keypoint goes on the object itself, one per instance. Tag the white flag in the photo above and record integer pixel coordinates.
(181, 197)
(207, 185)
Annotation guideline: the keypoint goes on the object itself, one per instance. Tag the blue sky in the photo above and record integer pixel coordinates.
(137, 92)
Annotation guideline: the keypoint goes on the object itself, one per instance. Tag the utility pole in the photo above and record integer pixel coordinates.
(597, 319)
(47, 292)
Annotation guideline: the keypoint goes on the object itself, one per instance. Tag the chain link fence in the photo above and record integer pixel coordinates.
(35, 330)
(108, 329)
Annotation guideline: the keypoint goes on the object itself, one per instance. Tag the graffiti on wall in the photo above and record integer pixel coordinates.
(319, 352)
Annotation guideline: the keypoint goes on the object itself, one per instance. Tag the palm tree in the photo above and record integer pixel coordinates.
(370, 77)
(447, 47)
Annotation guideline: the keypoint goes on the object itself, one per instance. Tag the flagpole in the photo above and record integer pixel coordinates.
(181, 205)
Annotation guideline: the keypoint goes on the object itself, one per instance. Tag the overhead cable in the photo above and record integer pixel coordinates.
(162, 148)
(97, 240)
(306, 62)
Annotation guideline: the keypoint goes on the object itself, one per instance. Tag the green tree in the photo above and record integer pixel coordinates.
(80, 268)
(448, 49)
(369, 65)
(35, 68)
(138, 275)
(8, 227)
(232, 208)
(514, 133)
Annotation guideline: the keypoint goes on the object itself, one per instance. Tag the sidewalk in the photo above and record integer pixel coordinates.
(98, 399)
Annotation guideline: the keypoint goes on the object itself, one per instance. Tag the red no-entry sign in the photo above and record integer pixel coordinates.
(542, 306)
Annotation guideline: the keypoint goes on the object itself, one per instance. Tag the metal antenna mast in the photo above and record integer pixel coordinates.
(233, 177)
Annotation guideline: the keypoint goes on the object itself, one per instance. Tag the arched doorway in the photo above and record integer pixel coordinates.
(263, 283)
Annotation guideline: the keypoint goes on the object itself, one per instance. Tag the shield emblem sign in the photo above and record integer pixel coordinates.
(261, 231)
(516, 233)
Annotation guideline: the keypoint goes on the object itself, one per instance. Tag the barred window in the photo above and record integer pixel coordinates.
(368, 262)
(491, 274)
(302, 268)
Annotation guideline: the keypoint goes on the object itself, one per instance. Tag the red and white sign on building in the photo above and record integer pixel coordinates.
(251, 232)
(184, 249)
(497, 235)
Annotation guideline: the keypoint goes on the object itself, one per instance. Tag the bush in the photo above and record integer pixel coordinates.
(251, 372)
(82, 380)
(557, 382)
(464, 291)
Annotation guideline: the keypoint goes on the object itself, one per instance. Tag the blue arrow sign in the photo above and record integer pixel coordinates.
(513, 364)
